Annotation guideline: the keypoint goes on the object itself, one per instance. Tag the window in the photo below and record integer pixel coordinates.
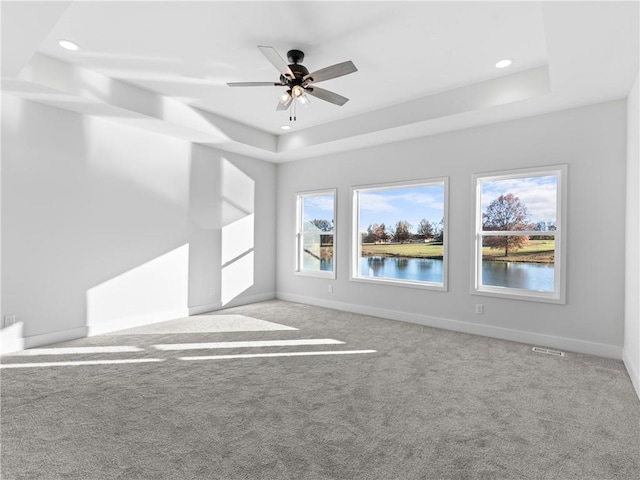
(400, 234)
(519, 237)
(315, 254)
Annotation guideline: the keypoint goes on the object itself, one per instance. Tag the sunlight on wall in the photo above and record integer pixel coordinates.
(236, 278)
(12, 338)
(178, 113)
(152, 292)
(238, 236)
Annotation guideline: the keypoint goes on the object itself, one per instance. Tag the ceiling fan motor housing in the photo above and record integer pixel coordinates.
(295, 56)
(299, 71)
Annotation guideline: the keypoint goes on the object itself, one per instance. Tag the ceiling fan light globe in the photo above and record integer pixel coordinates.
(285, 101)
(297, 91)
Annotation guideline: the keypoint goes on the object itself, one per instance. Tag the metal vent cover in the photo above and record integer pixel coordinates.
(548, 351)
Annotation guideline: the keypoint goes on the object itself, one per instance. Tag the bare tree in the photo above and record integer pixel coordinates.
(425, 229)
(401, 232)
(506, 213)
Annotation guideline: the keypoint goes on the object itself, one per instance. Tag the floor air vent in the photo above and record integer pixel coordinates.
(557, 353)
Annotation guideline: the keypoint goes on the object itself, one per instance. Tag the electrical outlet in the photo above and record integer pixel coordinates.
(479, 308)
(8, 320)
(330, 288)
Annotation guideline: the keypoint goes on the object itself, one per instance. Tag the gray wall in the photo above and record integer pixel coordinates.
(107, 226)
(631, 353)
(591, 140)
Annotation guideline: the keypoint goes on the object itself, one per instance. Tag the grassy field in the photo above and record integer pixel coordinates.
(538, 251)
(415, 250)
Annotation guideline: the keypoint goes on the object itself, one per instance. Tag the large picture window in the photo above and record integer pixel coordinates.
(519, 240)
(315, 238)
(400, 234)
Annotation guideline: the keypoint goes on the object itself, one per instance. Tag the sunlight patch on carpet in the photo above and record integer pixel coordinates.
(75, 350)
(80, 363)
(249, 344)
(206, 324)
(280, 354)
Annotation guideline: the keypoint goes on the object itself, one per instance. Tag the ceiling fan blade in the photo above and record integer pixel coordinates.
(334, 71)
(327, 96)
(276, 60)
(256, 84)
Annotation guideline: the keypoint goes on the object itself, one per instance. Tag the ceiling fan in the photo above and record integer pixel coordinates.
(298, 80)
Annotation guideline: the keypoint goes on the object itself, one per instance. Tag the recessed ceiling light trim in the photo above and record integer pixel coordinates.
(68, 45)
(285, 127)
(504, 63)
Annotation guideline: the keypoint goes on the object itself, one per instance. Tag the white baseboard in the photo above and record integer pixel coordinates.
(262, 297)
(131, 322)
(236, 302)
(54, 337)
(11, 339)
(562, 343)
(632, 370)
(198, 309)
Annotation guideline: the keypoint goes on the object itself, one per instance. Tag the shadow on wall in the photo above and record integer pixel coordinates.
(108, 226)
(213, 269)
(221, 214)
(238, 236)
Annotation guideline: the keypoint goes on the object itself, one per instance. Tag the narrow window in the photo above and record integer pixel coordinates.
(400, 234)
(519, 237)
(315, 238)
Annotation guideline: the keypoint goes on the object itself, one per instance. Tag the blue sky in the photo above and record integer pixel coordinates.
(406, 203)
(318, 207)
(538, 194)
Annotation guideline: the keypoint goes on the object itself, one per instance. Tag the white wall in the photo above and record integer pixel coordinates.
(631, 353)
(107, 226)
(590, 140)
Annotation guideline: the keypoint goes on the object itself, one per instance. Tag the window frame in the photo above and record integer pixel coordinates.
(558, 296)
(298, 263)
(356, 247)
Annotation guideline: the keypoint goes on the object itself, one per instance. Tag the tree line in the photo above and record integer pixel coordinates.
(401, 232)
(505, 213)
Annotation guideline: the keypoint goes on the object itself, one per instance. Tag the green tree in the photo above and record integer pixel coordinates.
(401, 232)
(370, 236)
(506, 213)
(322, 225)
(425, 229)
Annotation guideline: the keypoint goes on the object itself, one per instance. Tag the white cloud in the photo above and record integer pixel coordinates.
(376, 203)
(538, 194)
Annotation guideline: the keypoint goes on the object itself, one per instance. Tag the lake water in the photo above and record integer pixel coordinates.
(403, 268)
(528, 276)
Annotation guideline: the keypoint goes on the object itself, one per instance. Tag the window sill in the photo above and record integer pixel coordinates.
(400, 283)
(520, 294)
(316, 274)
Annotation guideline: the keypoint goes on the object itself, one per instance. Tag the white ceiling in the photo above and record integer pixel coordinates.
(423, 67)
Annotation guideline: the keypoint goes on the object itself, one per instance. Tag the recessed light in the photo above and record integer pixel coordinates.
(285, 127)
(68, 45)
(504, 63)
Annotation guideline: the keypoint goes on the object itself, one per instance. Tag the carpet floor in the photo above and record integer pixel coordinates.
(278, 390)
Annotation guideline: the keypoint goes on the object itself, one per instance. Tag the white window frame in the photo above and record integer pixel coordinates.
(559, 294)
(357, 248)
(299, 270)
